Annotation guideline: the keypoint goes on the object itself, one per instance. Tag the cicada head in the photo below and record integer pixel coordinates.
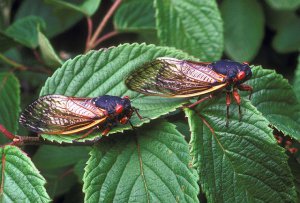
(117, 107)
(235, 72)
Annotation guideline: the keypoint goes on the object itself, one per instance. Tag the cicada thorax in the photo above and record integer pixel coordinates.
(58, 114)
(119, 109)
(236, 73)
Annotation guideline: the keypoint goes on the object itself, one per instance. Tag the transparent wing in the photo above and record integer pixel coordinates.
(57, 114)
(168, 77)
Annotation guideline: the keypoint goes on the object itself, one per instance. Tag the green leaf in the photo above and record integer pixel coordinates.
(25, 31)
(152, 166)
(191, 25)
(183, 128)
(88, 7)
(49, 157)
(9, 103)
(296, 84)
(135, 16)
(20, 180)
(284, 5)
(276, 19)
(6, 42)
(48, 54)
(239, 163)
(103, 72)
(58, 20)
(273, 96)
(79, 169)
(286, 39)
(295, 168)
(59, 181)
(244, 31)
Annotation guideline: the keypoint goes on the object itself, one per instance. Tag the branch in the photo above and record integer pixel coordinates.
(89, 35)
(12, 63)
(102, 24)
(6, 133)
(105, 37)
(22, 67)
(26, 140)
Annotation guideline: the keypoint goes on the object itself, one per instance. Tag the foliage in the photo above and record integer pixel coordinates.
(173, 154)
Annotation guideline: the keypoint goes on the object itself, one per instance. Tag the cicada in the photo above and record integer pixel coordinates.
(170, 77)
(63, 115)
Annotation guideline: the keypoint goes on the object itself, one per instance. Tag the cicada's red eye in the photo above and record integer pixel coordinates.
(119, 109)
(241, 75)
(126, 97)
(124, 120)
(246, 63)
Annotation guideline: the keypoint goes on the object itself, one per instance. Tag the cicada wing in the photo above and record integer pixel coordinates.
(57, 114)
(168, 77)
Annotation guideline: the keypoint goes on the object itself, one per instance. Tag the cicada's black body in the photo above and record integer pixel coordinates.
(236, 73)
(58, 114)
(170, 77)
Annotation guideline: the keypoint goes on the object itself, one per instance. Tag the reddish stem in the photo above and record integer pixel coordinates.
(105, 37)
(38, 57)
(102, 24)
(25, 140)
(6, 133)
(89, 35)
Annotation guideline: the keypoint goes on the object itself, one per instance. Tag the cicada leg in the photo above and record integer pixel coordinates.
(106, 131)
(228, 102)
(237, 98)
(136, 110)
(244, 87)
(87, 133)
(199, 101)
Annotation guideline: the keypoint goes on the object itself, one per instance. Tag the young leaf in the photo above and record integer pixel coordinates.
(244, 31)
(284, 5)
(191, 25)
(285, 40)
(239, 163)
(135, 16)
(152, 166)
(273, 96)
(57, 20)
(9, 103)
(48, 53)
(103, 72)
(25, 31)
(296, 85)
(88, 7)
(20, 180)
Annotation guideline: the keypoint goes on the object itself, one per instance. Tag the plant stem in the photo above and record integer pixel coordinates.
(105, 37)
(89, 35)
(12, 63)
(6, 133)
(102, 24)
(38, 57)
(22, 67)
(26, 140)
